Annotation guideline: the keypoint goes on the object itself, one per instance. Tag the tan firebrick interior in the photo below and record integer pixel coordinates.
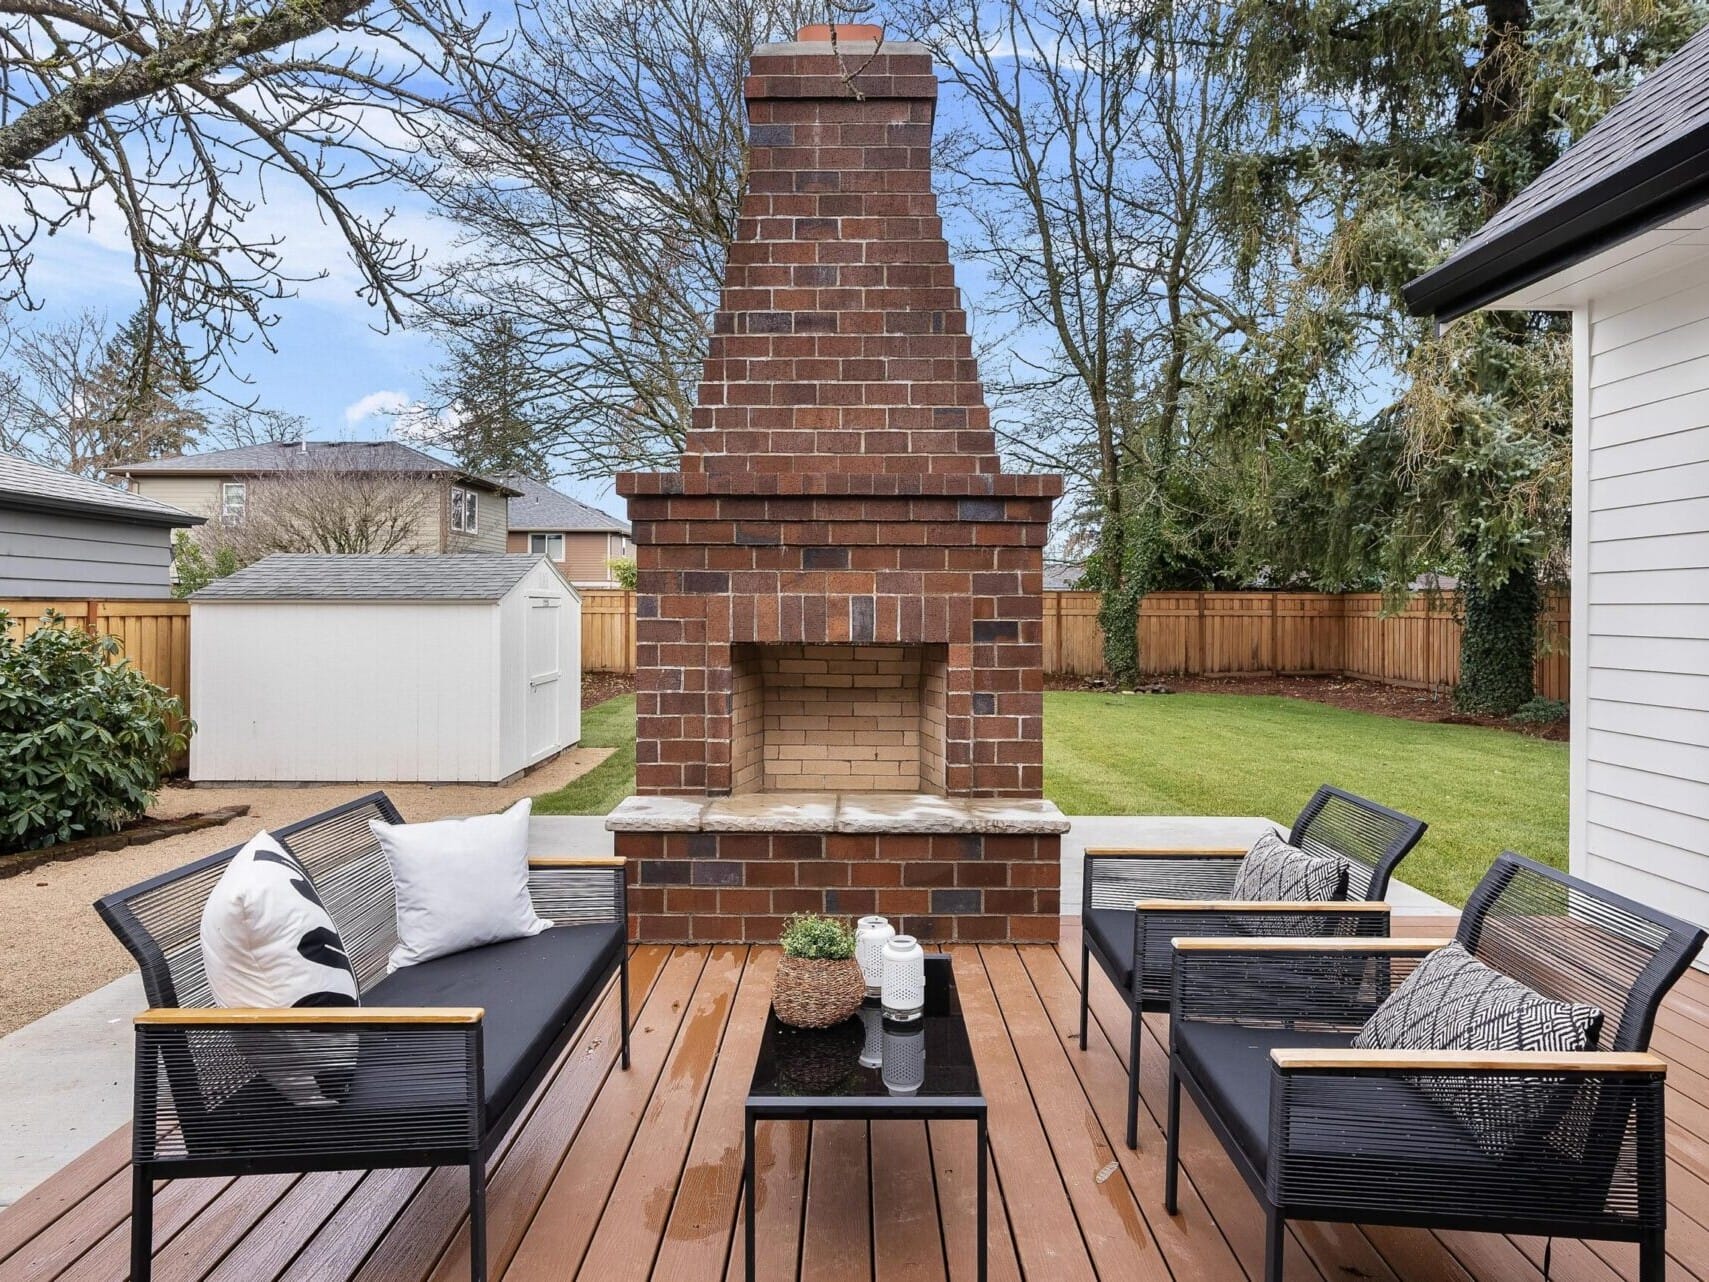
(840, 718)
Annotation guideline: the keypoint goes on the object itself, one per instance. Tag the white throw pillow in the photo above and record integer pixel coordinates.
(460, 883)
(267, 941)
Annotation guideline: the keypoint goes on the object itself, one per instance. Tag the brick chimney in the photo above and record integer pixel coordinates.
(840, 590)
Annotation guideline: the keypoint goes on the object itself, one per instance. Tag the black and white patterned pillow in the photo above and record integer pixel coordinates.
(1275, 871)
(268, 941)
(1452, 1001)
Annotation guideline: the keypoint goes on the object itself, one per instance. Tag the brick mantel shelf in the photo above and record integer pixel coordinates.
(839, 591)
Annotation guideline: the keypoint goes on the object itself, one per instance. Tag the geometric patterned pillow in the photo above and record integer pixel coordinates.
(1275, 871)
(1452, 1001)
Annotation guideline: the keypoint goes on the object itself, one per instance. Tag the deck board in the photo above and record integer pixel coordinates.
(614, 1176)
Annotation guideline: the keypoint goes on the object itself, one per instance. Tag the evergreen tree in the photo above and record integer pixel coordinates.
(479, 402)
(1395, 130)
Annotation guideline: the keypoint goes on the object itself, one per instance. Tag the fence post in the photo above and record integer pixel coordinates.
(92, 617)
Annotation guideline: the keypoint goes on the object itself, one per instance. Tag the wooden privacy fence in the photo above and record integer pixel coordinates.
(155, 634)
(1180, 633)
(1291, 634)
(608, 630)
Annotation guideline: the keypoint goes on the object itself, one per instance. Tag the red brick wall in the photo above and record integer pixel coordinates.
(739, 886)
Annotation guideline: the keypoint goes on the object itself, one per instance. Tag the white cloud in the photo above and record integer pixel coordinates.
(373, 405)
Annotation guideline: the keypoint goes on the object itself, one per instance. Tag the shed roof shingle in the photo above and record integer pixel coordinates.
(1646, 161)
(286, 456)
(471, 576)
(47, 488)
(543, 508)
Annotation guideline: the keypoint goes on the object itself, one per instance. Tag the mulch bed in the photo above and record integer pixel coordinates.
(1343, 692)
(136, 833)
(597, 687)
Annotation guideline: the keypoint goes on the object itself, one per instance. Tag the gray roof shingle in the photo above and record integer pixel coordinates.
(30, 484)
(1645, 161)
(543, 508)
(470, 576)
(285, 456)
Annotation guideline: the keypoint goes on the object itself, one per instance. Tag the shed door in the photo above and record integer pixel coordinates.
(545, 646)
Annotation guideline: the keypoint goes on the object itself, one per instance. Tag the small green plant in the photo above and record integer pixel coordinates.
(816, 938)
(1540, 712)
(85, 739)
(622, 570)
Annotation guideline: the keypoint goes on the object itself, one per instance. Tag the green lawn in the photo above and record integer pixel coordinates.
(1212, 754)
(1216, 754)
(605, 725)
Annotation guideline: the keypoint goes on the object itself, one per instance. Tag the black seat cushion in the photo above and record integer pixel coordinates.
(531, 988)
(1232, 1065)
(1112, 929)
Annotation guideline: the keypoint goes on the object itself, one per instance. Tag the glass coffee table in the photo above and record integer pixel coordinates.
(870, 1068)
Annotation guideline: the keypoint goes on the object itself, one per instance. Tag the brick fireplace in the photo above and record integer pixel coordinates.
(839, 591)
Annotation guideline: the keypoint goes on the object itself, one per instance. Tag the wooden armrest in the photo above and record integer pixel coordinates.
(1166, 852)
(221, 1016)
(1287, 944)
(1261, 906)
(577, 861)
(1304, 1061)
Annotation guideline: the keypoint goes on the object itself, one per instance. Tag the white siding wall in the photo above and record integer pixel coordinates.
(1641, 591)
(301, 691)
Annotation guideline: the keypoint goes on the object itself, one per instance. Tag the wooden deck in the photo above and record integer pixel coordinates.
(634, 1175)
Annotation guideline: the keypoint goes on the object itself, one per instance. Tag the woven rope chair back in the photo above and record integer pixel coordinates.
(1577, 942)
(1371, 838)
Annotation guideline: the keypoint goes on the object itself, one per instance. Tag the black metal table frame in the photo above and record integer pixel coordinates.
(869, 1109)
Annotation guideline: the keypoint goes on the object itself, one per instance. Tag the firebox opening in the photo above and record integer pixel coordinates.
(838, 718)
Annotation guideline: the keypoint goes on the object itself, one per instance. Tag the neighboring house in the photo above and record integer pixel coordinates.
(580, 540)
(460, 511)
(67, 536)
(1616, 232)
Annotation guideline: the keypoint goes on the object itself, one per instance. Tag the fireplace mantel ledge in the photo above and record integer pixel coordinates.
(868, 812)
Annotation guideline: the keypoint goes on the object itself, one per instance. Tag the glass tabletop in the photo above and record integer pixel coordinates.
(868, 1060)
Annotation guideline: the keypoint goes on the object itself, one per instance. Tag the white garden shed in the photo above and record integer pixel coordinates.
(449, 668)
(1616, 233)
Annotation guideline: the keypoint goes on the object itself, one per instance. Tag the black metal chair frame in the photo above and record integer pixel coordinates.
(1607, 1182)
(434, 1052)
(1179, 892)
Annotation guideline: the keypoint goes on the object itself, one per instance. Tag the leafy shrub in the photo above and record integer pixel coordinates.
(622, 569)
(1540, 712)
(818, 938)
(84, 741)
(193, 569)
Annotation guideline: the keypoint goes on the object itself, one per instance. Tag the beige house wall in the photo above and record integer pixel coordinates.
(585, 553)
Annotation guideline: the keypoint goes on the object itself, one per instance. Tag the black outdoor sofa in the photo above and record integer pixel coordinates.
(1260, 1032)
(1134, 900)
(446, 1052)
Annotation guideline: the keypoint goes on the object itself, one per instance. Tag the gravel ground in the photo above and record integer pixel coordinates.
(54, 948)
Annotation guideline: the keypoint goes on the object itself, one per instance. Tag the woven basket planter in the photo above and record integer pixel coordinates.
(813, 993)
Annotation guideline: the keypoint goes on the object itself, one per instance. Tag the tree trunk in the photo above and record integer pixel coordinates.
(1498, 644)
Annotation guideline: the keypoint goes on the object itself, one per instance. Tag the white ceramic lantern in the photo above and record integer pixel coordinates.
(872, 1050)
(871, 934)
(904, 992)
(904, 1070)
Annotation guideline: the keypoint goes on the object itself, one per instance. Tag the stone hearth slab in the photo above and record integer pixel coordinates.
(902, 812)
(771, 812)
(656, 814)
(1005, 814)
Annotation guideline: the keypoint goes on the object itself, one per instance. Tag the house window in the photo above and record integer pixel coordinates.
(465, 510)
(551, 544)
(233, 496)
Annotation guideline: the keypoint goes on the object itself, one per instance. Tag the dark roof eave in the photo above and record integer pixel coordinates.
(104, 511)
(1626, 202)
(450, 473)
